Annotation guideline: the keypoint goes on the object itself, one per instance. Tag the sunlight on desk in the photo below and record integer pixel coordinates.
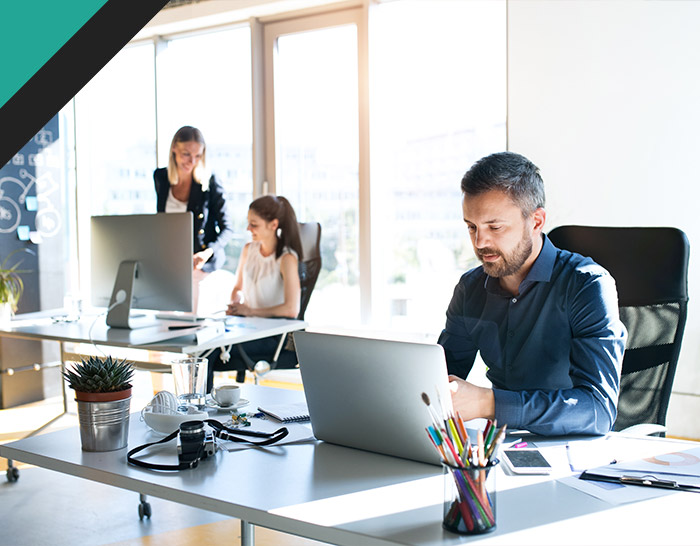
(373, 503)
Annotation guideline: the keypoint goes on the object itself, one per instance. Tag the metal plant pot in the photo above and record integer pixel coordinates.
(104, 425)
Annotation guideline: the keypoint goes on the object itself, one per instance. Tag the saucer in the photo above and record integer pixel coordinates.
(211, 403)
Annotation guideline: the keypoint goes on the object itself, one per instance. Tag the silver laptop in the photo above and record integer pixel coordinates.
(366, 393)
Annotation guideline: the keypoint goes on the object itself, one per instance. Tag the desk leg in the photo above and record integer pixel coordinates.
(63, 381)
(12, 472)
(247, 534)
(63, 393)
(279, 347)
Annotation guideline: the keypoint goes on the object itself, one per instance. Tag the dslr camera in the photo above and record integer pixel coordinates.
(195, 443)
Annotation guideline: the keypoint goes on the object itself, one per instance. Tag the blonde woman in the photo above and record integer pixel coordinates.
(186, 185)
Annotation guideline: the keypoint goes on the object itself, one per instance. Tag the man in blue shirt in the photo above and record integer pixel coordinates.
(544, 320)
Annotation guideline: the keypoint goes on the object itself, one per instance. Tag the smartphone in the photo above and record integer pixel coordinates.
(526, 461)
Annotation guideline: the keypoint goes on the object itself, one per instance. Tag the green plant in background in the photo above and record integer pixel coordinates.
(95, 374)
(11, 284)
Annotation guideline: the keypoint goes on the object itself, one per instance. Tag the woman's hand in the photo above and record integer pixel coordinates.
(200, 258)
(238, 308)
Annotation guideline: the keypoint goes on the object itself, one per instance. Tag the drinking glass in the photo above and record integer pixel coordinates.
(190, 377)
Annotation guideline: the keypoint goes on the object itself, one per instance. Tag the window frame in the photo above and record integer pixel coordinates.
(271, 32)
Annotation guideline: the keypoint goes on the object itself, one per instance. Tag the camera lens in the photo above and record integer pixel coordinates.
(191, 427)
(191, 445)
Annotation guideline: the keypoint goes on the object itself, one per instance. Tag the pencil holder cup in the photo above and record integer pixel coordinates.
(469, 505)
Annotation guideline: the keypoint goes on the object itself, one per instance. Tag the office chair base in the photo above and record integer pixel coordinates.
(144, 507)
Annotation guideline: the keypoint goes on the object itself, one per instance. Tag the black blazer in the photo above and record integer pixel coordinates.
(211, 221)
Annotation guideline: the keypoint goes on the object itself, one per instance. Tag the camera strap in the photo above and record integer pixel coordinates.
(221, 431)
(234, 434)
(155, 466)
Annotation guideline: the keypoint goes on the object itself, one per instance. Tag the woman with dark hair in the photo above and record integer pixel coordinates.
(187, 185)
(267, 281)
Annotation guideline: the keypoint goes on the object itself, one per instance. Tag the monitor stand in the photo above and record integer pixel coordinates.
(119, 314)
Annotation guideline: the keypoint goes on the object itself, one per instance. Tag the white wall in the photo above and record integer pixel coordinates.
(604, 96)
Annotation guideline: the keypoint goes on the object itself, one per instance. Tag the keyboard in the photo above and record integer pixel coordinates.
(189, 317)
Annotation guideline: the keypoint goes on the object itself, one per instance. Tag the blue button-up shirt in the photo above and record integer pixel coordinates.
(553, 352)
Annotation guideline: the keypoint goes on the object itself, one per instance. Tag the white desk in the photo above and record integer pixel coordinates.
(350, 497)
(91, 328)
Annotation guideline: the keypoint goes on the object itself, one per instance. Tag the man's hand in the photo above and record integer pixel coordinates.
(471, 401)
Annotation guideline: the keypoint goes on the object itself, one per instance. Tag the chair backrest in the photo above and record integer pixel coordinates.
(650, 267)
(310, 264)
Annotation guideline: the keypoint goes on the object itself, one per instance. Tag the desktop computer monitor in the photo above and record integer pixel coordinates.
(141, 261)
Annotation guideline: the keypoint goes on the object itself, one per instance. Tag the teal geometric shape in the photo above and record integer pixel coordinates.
(31, 32)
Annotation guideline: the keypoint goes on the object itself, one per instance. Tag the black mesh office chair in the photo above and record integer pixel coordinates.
(650, 267)
(309, 269)
(310, 266)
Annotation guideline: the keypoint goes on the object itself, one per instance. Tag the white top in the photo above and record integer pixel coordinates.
(263, 285)
(174, 205)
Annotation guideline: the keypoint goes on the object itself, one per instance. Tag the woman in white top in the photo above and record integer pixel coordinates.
(267, 281)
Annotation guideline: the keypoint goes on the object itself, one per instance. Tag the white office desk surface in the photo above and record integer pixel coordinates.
(238, 330)
(92, 328)
(350, 497)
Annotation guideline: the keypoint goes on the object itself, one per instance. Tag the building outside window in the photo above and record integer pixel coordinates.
(438, 103)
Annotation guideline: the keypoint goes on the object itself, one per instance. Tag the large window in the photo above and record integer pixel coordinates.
(116, 136)
(115, 144)
(204, 81)
(380, 170)
(316, 151)
(201, 80)
(438, 103)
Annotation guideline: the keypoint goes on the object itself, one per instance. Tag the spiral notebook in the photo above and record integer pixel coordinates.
(287, 413)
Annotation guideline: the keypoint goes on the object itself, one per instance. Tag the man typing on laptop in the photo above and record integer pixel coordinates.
(544, 320)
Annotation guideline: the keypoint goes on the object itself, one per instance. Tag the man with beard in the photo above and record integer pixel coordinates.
(544, 320)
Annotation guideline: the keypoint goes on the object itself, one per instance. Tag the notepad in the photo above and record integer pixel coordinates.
(287, 413)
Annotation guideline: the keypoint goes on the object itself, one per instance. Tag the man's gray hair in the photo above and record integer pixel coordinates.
(511, 173)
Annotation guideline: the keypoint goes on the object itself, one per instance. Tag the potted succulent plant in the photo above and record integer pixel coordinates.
(103, 393)
(11, 287)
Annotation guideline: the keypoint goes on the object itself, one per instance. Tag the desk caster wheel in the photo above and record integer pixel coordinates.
(12, 474)
(144, 510)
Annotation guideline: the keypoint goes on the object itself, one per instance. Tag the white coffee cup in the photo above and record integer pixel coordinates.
(226, 395)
